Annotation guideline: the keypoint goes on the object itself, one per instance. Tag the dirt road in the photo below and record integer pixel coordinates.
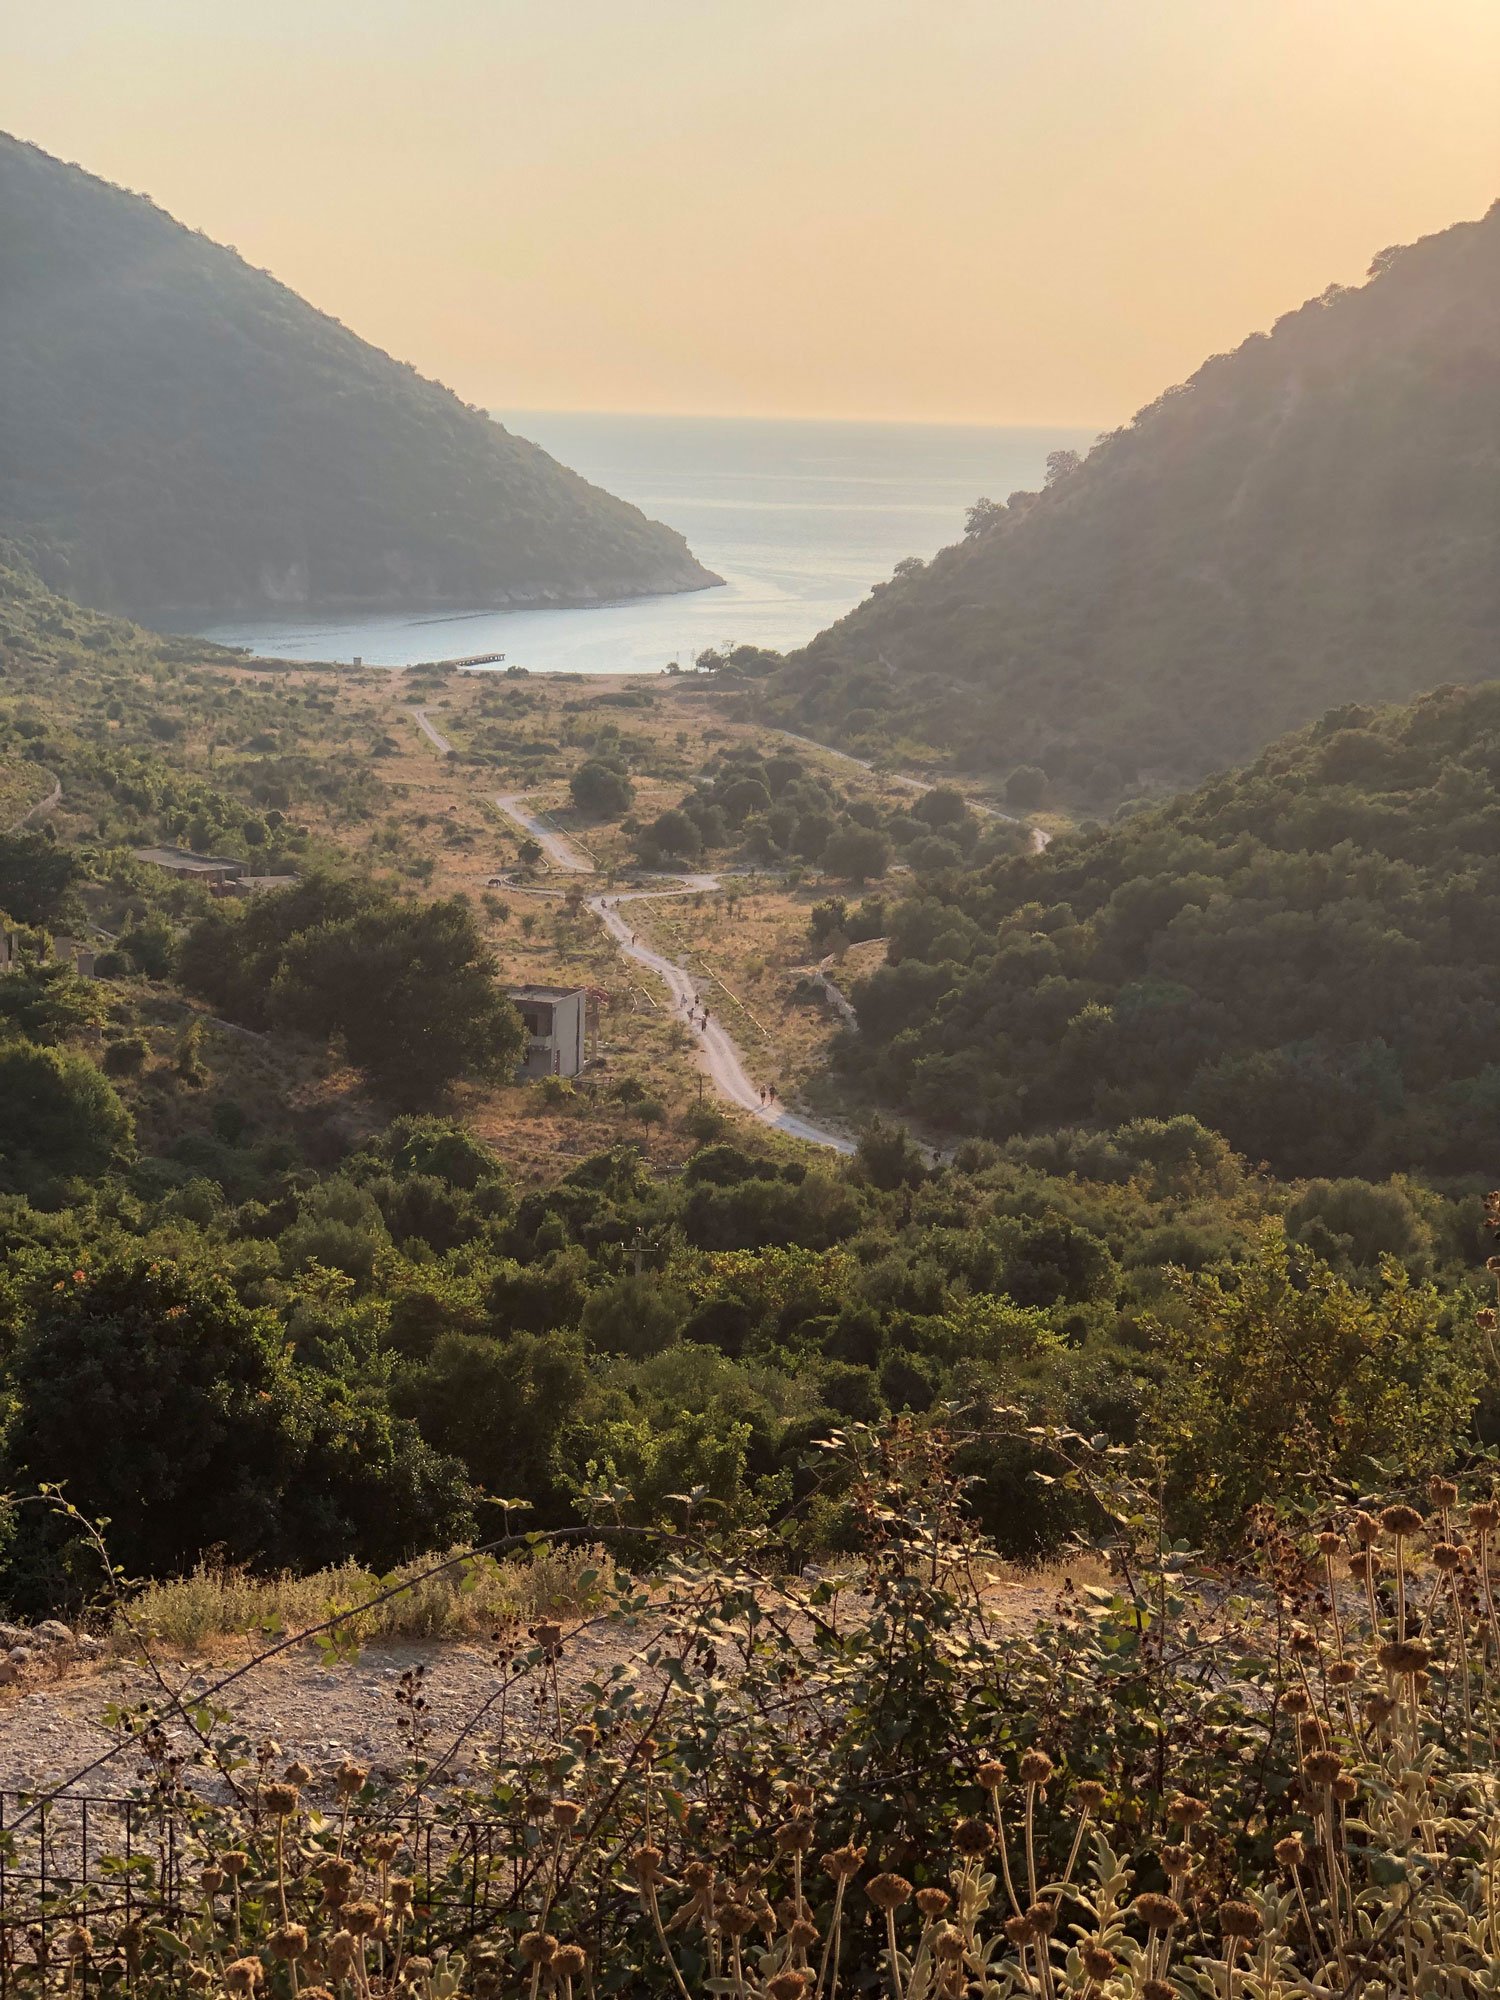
(557, 850)
(721, 1059)
(433, 734)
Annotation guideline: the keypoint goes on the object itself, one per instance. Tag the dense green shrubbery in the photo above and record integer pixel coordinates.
(411, 988)
(1309, 520)
(188, 485)
(1300, 954)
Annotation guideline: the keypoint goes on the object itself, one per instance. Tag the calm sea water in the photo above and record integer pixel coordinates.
(799, 518)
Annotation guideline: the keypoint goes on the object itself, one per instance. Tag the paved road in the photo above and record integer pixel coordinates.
(721, 1059)
(557, 849)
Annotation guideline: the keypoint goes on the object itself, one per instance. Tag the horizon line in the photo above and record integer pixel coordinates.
(783, 417)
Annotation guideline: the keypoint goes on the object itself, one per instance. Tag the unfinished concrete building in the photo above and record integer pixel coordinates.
(554, 1018)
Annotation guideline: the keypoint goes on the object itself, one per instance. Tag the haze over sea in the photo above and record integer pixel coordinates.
(800, 518)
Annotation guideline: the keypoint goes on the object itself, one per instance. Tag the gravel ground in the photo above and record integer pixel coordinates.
(52, 1720)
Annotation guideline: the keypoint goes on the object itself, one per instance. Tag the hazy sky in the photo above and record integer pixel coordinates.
(996, 210)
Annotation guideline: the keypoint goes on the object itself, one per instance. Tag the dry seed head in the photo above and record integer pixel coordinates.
(735, 1919)
(549, 1635)
(1366, 1530)
(297, 1774)
(1321, 1767)
(1378, 1709)
(1239, 1920)
(570, 1961)
(1296, 1701)
(335, 1872)
(1342, 1673)
(1090, 1795)
(1329, 1543)
(212, 1880)
(888, 1892)
(1035, 1768)
(400, 1892)
(1484, 1515)
(79, 1944)
(1097, 1962)
(1403, 1656)
(990, 1776)
(1442, 1492)
(1289, 1851)
(1177, 1860)
(243, 1975)
(843, 1863)
(280, 1800)
(290, 1942)
(566, 1813)
(585, 1736)
(1446, 1556)
(341, 1952)
(360, 1919)
(538, 1947)
(1158, 1989)
(932, 1902)
(795, 1837)
(1346, 1789)
(787, 1986)
(1158, 1913)
(1421, 1682)
(1183, 1810)
(948, 1944)
(803, 1934)
(385, 1847)
(1303, 1644)
(1401, 1521)
(350, 1777)
(1019, 1930)
(646, 1866)
(1042, 1918)
(972, 1836)
(1364, 1563)
(698, 1874)
(235, 1862)
(801, 1797)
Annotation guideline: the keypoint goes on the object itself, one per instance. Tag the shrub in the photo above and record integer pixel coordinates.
(57, 1114)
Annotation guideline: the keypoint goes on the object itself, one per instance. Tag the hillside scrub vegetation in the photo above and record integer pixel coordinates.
(178, 430)
(1309, 520)
(1300, 955)
(1270, 1772)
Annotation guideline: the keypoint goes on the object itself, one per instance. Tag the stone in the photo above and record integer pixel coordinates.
(55, 1632)
(13, 1635)
(21, 1654)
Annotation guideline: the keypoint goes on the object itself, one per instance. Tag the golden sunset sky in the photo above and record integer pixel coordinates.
(1013, 211)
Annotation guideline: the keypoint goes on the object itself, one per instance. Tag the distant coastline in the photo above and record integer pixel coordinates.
(799, 518)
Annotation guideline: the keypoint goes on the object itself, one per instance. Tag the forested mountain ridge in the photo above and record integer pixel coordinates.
(180, 432)
(1302, 954)
(1313, 518)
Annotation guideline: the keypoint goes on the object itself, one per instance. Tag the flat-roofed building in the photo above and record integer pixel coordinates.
(211, 868)
(554, 1020)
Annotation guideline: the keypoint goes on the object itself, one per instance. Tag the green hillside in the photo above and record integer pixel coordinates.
(1305, 955)
(180, 432)
(1314, 518)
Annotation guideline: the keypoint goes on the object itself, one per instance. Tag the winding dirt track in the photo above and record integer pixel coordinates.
(722, 1060)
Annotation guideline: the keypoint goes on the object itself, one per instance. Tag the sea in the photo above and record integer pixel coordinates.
(800, 518)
